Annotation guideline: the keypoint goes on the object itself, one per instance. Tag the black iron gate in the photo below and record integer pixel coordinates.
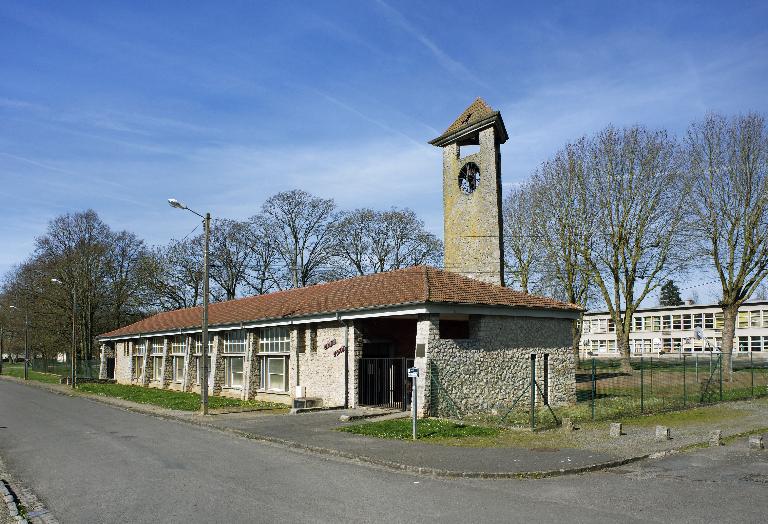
(382, 383)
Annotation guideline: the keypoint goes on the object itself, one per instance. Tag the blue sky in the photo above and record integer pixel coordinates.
(119, 105)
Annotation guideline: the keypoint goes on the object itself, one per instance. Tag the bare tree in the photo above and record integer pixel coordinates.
(232, 255)
(173, 274)
(300, 231)
(728, 165)
(264, 273)
(637, 198)
(368, 241)
(564, 229)
(523, 248)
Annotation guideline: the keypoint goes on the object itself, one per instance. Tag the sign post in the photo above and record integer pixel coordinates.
(413, 373)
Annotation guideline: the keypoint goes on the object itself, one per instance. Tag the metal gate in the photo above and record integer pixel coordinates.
(382, 382)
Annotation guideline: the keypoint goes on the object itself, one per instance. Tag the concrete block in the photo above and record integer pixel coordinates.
(616, 429)
(663, 433)
(715, 438)
(756, 442)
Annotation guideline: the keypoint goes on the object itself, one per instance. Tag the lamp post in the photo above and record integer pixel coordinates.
(2, 347)
(26, 343)
(73, 356)
(204, 364)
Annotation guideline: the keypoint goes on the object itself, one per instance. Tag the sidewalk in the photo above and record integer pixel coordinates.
(576, 452)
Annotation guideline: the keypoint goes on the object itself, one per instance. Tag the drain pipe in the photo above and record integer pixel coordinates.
(346, 359)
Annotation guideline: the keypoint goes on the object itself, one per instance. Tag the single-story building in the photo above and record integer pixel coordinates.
(349, 343)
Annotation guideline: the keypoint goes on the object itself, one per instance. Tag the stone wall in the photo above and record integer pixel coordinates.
(123, 362)
(321, 362)
(487, 371)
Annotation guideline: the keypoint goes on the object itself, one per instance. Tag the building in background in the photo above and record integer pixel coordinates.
(671, 329)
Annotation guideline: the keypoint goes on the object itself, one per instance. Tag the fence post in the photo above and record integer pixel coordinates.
(533, 392)
(752, 373)
(685, 392)
(697, 369)
(642, 369)
(594, 389)
(720, 360)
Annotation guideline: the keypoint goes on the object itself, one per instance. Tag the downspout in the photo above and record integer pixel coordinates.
(346, 360)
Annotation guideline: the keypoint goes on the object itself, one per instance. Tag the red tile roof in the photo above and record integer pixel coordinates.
(478, 113)
(414, 285)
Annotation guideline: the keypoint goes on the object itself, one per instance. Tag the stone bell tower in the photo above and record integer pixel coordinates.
(474, 245)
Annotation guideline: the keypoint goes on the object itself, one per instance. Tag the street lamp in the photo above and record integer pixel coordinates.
(26, 343)
(204, 364)
(72, 358)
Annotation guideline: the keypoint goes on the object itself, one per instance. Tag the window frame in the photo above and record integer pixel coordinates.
(229, 372)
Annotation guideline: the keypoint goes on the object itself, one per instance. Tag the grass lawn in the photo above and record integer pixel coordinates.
(173, 399)
(427, 429)
(17, 370)
(450, 433)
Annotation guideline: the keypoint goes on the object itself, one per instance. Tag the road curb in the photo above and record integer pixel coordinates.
(198, 420)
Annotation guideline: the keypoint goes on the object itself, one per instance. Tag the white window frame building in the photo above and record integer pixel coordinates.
(670, 330)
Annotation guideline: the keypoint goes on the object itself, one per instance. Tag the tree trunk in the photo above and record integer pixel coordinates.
(576, 340)
(730, 313)
(622, 344)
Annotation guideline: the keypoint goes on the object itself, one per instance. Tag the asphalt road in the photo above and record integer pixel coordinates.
(89, 462)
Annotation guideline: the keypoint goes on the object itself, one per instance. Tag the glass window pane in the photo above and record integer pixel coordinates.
(276, 370)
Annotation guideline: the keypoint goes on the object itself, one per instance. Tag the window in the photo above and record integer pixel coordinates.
(157, 346)
(638, 321)
(273, 375)
(197, 343)
(157, 369)
(754, 319)
(140, 347)
(698, 320)
(656, 323)
(743, 343)
(755, 344)
(138, 367)
(687, 322)
(612, 345)
(677, 322)
(709, 321)
(719, 322)
(179, 345)
(765, 318)
(235, 341)
(126, 349)
(178, 368)
(611, 326)
(233, 372)
(743, 319)
(454, 329)
(666, 322)
(275, 339)
(585, 326)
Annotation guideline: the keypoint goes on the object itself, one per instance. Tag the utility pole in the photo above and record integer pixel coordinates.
(206, 277)
(26, 345)
(204, 366)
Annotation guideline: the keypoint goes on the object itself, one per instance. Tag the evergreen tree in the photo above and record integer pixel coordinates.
(670, 295)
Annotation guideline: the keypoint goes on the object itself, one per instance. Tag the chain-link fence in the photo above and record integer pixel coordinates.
(88, 369)
(607, 389)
